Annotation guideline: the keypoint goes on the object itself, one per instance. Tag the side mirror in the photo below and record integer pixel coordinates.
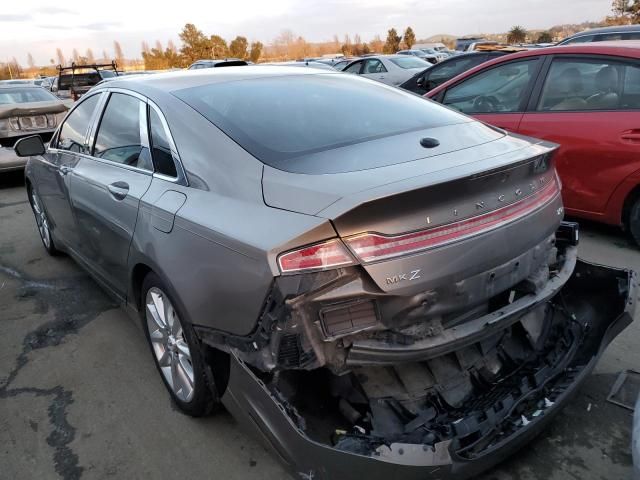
(420, 81)
(29, 146)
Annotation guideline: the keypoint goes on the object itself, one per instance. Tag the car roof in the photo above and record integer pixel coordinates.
(611, 29)
(178, 80)
(19, 85)
(627, 48)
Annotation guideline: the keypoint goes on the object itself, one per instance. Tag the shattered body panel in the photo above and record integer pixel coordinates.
(450, 417)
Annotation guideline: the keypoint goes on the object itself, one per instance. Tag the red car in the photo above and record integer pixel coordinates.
(585, 97)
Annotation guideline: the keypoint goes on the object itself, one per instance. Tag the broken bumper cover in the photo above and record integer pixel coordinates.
(592, 308)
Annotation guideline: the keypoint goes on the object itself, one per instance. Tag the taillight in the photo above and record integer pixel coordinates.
(315, 257)
(370, 247)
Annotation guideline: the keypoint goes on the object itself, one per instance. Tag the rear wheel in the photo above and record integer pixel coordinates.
(176, 350)
(42, 222)
(634, 221)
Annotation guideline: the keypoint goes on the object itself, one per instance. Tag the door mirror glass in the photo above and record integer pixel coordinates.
(29, 146)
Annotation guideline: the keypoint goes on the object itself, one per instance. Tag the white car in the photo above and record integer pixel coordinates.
(389, 69)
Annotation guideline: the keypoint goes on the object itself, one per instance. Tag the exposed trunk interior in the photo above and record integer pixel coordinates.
(474, 397)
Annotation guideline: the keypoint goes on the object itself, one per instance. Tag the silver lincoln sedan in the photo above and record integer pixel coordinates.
(385, 290)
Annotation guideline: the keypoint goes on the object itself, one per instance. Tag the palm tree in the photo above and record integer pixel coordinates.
(517, 34)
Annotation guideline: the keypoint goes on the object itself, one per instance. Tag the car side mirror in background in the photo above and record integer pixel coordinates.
(29, 146)
(420, 81)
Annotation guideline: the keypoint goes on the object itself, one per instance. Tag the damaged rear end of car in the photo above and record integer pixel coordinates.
(446, 320)
(437, 350)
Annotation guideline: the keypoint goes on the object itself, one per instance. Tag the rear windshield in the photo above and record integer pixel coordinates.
(410, 62)
(24, 95)
(79, 80)
(279, 119)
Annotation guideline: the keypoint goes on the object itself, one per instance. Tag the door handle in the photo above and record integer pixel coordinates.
(64, 170)
(631, 136)
(118, 190)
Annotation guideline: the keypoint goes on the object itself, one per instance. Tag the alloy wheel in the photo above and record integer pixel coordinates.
(41, 219)
(169, 344)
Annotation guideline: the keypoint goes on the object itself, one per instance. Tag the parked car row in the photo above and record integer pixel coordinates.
(388, 292)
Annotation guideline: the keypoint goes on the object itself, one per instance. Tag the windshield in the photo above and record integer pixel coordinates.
(410, 62)
(280, 119)
(107, 74)
(24, 95)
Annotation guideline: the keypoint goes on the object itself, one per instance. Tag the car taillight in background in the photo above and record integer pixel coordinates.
(321, 256)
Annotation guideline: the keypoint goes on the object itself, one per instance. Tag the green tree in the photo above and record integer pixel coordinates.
(545, 37)
(238, 47)
(517, 34)
(392, 45)
(256, 51)
(409, 37)
(194, 44)
(219, 48)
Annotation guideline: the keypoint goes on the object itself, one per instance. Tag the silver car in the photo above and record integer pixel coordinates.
(389, 69)
(384, 292)
(25, 109)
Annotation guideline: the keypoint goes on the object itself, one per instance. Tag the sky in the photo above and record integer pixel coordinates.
(39, 27)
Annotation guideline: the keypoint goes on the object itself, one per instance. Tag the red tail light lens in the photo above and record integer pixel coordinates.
(371, 246)
(315, 257)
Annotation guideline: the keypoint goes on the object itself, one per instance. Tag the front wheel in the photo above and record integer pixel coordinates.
(176, 350)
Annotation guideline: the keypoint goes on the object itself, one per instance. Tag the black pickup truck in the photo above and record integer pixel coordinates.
(74, 81)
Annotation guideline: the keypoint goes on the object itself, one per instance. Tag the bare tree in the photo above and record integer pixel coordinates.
(118, 53)
(159, 46)
(60, 56)
(30, 61)
(90, 57)
(105, 57)
(145, 47)
(75, 55)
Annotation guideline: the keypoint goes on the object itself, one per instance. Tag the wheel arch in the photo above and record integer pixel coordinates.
(629, 200)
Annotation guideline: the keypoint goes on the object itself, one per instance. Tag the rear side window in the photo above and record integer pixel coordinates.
(279, 119)
(574, 85)
(160, 146)
(118, 139)
(74, 129)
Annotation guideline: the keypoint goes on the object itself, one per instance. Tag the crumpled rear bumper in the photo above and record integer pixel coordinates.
(256, 406)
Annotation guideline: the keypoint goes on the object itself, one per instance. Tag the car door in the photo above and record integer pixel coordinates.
(375, 70)
(52, 171)
(498, 94)
(590, 105)
(106, 188)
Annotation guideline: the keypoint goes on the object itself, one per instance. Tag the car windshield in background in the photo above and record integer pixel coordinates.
(107, 74)
(280, 119)
(410, 62)
(24, 95)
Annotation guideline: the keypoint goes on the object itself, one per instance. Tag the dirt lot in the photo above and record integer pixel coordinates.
(80, 396)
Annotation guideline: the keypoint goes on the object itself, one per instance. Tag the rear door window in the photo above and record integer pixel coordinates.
(119, 134)
(73, 131)
(590, 84)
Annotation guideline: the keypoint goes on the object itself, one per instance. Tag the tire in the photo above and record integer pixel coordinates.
(634, 221)
(176, 350)
(42, 222)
